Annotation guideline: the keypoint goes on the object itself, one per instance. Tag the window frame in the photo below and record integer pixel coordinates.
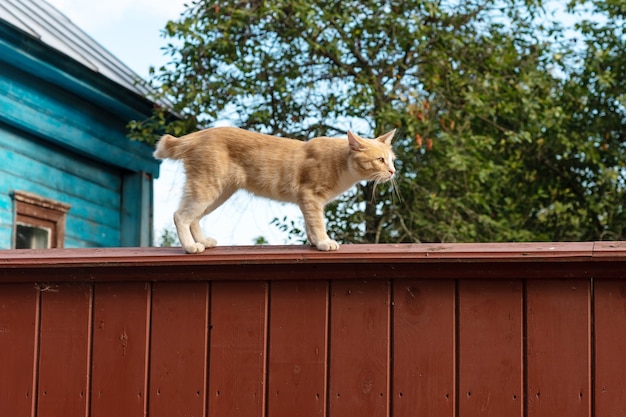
(36, 211)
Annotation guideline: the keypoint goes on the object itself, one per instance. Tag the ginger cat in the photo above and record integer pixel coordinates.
(222, 160)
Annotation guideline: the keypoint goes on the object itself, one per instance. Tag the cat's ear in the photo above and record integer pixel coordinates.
(356, 142)
(387, 137)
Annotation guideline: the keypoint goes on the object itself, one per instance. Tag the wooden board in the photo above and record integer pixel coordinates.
(33, 104)
(92, 189)
(424, 348)
(19, 337)
(178, 361)
(491, 338)
(610, 347)
(298, 337)
(301, 344)
(238, 349)
(359, 338)
(120, 350)
(559, 348)
(64, 354)
(264, 263)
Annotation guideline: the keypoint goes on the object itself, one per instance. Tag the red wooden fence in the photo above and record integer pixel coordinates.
(535, 329)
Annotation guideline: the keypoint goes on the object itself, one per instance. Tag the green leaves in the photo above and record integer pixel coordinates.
(507, 129)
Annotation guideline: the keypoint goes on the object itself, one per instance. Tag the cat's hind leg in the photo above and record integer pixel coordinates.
(198, 235)
(196, 230)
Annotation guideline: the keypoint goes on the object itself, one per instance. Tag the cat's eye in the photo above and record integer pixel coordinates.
(381, 159)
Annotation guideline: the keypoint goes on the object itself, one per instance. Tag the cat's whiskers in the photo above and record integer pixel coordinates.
(380, 178)
(376, 182)
(395, 191)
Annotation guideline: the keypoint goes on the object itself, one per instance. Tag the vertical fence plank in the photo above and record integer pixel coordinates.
(491, 332)
(120, 337)
(610, 346)
(19, 321)
(359, 338)
(559, 348)
(65, 344)
(238, 346)
(297, 352)
(423, 348)
(178, 349)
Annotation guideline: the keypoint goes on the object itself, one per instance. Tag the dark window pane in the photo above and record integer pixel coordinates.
(29, 237)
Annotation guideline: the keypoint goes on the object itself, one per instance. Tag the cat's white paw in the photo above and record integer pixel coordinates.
(196, 247)
(209, 242)
(327, 245)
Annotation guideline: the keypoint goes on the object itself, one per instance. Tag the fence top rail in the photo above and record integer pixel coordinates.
(567, 259)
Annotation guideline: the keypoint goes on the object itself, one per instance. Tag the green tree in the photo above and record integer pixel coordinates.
(596, 92)
(260, 240)
(480, 91)
(168, 238)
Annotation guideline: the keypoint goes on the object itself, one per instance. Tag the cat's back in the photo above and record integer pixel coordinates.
(242, 142)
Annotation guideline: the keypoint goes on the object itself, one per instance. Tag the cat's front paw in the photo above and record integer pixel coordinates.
(327, 245)
(196, 247)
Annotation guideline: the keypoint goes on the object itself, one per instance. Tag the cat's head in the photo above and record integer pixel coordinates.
(372, 159)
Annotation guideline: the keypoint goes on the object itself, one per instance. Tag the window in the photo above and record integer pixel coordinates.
(32, 237)
(39, 222)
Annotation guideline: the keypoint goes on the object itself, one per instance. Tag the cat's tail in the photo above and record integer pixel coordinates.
(169, 147)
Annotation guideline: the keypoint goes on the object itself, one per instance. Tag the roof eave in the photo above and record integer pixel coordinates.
(47, 63)
(22, 50)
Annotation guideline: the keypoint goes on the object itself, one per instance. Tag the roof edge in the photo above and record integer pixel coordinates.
(20, 49)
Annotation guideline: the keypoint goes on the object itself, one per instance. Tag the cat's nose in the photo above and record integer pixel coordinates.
(392, 170)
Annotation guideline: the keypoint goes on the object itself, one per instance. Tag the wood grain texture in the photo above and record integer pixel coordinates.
(136, 205)
(559, 348)
(610, 347)
(410, 261)
(48, 111)
(264, 332)
(65, 351)
(75, 150)
(86, 221)
(360, 358)
(238, 349)
(19, 339)
(178, 360)
(424, 349)
(42, 171)
(491, 339)
(45, 153)
(92, 189)
(120, 350)
(298, 338)
(362, 254)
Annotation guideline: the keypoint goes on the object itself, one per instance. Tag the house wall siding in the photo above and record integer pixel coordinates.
(93, 190)
(36, 106)
(64, 147)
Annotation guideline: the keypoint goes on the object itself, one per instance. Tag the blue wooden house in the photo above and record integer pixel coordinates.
(69, 175)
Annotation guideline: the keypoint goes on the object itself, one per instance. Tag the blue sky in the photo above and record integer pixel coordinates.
(131, 31)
